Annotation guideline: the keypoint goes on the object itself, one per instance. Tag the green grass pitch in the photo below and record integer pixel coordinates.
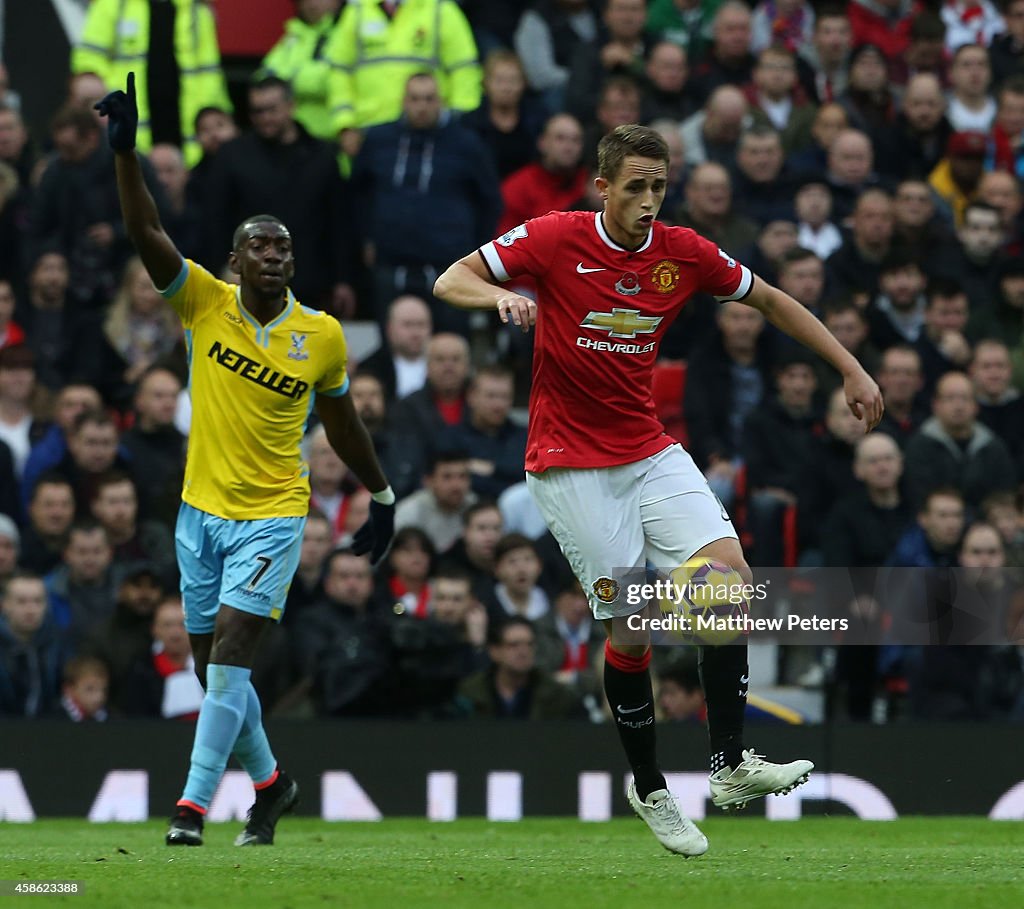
(538, 863)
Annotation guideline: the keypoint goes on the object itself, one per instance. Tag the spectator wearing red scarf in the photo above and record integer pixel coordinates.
(884, 23)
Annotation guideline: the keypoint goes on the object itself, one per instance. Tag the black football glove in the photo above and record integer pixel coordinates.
(122, 113)
(375, 535)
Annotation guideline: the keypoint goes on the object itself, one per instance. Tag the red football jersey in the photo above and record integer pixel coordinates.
(601, 314)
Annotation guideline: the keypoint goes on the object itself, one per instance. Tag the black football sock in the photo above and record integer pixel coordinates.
(627, 685)
(724, 677)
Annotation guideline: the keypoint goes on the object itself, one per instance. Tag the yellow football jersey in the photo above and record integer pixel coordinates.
(252, 390)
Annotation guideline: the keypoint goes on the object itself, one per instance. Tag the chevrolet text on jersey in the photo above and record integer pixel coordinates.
(615, 347)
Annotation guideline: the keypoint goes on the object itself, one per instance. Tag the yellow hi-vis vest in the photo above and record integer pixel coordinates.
(115, 41)
(298, 58)
(372, 57)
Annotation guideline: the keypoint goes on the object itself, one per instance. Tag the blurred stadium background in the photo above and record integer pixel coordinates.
(880, 185)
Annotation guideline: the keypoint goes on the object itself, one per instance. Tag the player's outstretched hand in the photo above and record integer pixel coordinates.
(864, 398)
(375, 535)
(122, 113)
(522, 311)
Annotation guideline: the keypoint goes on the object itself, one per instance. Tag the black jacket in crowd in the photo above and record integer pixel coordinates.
(708, 398)
(299, 183)
(859, 534)
(428, 195)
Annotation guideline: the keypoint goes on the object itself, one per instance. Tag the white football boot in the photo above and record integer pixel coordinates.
(676, 832)
(754, 777)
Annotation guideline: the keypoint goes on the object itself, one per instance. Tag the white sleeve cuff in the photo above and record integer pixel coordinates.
(745, 286)
(490, 253)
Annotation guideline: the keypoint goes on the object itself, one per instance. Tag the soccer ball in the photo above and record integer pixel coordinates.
(709, 593)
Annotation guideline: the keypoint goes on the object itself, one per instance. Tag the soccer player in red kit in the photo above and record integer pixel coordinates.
(613, 488)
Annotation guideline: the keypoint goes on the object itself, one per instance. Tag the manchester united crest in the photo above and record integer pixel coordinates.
(606, 589)
(665, 276)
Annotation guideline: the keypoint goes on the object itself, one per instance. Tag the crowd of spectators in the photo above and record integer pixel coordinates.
(867, 158)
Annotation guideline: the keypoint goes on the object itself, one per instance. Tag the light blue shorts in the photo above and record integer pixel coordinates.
(245, 564)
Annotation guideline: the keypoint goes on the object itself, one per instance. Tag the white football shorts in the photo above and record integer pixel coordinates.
(609, 520)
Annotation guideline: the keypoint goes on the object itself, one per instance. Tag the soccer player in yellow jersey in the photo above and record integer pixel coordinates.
(259, 361)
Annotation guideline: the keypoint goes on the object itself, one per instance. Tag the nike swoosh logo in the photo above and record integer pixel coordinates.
(586, 271)
(622, 709)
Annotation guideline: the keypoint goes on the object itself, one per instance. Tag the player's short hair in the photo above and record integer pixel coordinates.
(477, 508)
(78, 668)
(510, 543)
(240, 232)
(631, 139)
